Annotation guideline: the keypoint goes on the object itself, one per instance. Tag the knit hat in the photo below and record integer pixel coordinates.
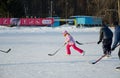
(65, 32)
(115, 23)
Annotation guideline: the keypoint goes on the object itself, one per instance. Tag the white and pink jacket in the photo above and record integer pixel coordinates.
(69, 39)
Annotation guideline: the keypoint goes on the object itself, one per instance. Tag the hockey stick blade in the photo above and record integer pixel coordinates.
(79, 43)
(53, 53)
(93, 63)
(50, 54)
(6, 51)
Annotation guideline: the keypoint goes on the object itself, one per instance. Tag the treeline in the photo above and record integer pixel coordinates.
(108, 9)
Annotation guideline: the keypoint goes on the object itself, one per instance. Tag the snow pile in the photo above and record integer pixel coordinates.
(48, 29)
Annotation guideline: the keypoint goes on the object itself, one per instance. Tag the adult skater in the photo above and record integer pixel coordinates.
(116, 39)
(105, 37)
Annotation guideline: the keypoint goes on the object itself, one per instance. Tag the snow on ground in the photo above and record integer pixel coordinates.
(31, 46)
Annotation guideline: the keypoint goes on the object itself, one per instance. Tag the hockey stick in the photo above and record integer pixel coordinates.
(5, 51)
(57, 50)
(101, 57)
(84, 43)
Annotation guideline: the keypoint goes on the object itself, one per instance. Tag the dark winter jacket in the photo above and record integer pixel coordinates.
(117, 36)
(105, 33)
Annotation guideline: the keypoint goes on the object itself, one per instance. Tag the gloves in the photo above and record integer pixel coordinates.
(98, 42)
(113, 48)
(65, 43)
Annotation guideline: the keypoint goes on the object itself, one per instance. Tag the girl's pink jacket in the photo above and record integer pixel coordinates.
(69, 39)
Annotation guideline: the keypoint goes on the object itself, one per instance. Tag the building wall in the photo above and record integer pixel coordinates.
(87, 20)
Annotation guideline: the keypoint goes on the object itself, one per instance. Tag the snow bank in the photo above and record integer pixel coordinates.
(47, 29)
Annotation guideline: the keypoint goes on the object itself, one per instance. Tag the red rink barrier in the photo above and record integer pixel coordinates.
(27, 21)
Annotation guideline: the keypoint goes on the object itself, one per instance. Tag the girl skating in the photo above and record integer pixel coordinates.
(70, 42)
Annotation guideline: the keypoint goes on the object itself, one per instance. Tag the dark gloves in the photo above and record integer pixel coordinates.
(98, 42)
(65, 43)
(113, 48)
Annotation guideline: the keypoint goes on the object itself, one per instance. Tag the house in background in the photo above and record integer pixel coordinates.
(87, 20)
